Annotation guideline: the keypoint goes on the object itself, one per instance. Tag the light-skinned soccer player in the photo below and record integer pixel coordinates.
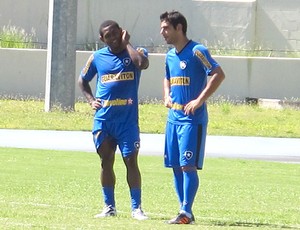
(192, 76)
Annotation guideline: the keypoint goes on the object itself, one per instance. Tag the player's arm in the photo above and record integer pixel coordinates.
(86, 75)
(138, 58)
(217, 76)
(167, 98)
(85, 88)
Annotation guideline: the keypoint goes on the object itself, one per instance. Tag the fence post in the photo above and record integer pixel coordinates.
(61, 55)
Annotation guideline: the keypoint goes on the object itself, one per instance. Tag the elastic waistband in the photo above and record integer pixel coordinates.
(177, 106)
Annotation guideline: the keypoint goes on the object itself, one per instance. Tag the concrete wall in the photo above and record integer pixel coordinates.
(273, 78)
(271, 24)
(23, 74)
(278, 24)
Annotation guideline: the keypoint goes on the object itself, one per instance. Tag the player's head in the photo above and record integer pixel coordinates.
(107, 23)
(174, 18)
(111, 34)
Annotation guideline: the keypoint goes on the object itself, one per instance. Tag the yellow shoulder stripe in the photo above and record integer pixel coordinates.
(203, 59)
(87, 65)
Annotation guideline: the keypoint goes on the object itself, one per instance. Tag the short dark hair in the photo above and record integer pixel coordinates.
(106, 24)
(175, 18)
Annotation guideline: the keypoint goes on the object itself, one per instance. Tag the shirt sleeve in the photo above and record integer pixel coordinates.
(143, 51)
(89, 70)
(202, 53)
(167, 70)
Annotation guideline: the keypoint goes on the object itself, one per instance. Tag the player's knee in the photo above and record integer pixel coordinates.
(131, 160)
(188, 168)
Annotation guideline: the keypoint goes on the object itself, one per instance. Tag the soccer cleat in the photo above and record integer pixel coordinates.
(138, 214)
(182, 218)
(107, 211)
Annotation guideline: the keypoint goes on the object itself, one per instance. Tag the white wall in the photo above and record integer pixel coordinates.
(272, 24)
(273, 78)
(278, 24)
(27, 14)
(23, 74)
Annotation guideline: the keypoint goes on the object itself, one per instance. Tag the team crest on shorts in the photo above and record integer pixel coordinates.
(188, 154)
(137, 145)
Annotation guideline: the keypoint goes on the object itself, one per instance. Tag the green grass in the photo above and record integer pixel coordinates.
(252, 120)
(16, 37)
(60, 190)
(225, 118)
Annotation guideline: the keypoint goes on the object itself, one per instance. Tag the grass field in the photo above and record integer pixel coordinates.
(42, 189)
(225, 118)
(60, 190)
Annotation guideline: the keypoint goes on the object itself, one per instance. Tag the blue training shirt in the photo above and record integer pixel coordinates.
(187, 72)
(117, 84)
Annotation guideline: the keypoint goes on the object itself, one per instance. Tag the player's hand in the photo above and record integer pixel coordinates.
(125, 37)
(191, 107)
(96, 104)
(168, 102)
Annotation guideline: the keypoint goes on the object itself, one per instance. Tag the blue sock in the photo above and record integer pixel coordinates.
(135, 194)
(190, 187)
(178, 182)
(109, 196)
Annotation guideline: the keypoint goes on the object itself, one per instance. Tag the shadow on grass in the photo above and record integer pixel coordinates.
(250, 224)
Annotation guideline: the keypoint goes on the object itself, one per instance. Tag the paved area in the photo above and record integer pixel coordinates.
(261, 148)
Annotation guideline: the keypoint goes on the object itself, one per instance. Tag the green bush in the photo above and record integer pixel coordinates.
(16, 37)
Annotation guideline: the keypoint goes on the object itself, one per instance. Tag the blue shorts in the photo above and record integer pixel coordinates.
(127, 136)
(185, 145)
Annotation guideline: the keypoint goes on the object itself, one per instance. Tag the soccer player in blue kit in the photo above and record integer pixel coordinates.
(186, 88)
(118, 69)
